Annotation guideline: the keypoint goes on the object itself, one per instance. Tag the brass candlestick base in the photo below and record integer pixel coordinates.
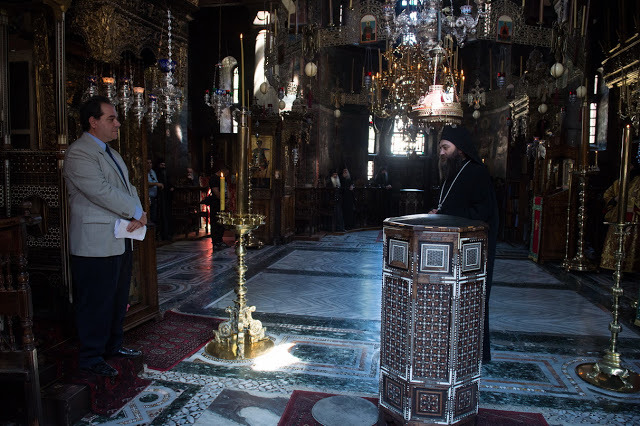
(578, 263)
(609, 374)
(241, 336)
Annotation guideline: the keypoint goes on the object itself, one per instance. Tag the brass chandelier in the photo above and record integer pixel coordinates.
(426, 86)
(423, 79)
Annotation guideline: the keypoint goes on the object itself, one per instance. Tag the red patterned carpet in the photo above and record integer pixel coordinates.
(298, 413)
(110, 394)
(171, 340)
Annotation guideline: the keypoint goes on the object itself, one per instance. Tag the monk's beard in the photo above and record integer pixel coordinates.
(450, 166)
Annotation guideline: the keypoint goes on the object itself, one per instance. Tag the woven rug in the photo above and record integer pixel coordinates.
(171, 340)
(298, 413)
(110, 394)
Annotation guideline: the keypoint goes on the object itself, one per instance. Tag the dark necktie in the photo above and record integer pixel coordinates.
(108, 151)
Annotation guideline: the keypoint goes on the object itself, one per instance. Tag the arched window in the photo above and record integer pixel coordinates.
(228, 82)
(402, 142)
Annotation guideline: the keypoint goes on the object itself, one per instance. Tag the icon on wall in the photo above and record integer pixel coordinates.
(368, 29)
(505, 29)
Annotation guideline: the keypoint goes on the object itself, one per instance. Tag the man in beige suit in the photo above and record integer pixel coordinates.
(99, 194)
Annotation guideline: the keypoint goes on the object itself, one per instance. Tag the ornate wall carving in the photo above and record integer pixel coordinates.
(522, 34)
(45, 89)
(111, 27)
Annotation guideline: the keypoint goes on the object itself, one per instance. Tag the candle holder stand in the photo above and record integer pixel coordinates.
(609, 373)
(579, 262)
(241, 336)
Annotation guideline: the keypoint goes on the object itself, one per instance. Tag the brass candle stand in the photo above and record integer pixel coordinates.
(240, 336)
(579, 262)
(253, 242)
(609, 373)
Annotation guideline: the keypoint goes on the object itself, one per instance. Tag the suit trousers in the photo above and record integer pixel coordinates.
(101, 288)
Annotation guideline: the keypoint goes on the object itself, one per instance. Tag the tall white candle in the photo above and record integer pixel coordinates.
(330, 12)
(242, 69)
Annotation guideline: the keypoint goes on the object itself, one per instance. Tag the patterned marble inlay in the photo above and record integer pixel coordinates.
(471, 256)
(333, 262)
(521, 272)
(396, 294)
(554, 311)
(290, 294)
(435, 258)
(431, 332)
(393, 393)
(311, 355)
(398, 253)
(465, 400)
(470, 316)
(429, 402)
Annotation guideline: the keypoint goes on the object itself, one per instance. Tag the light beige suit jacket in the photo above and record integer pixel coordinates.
(97, 198)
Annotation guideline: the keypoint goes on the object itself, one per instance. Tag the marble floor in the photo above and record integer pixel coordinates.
(320, 303)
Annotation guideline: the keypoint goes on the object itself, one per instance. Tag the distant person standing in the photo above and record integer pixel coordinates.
(99, 194)
(336, 200)
(348, 199)
(383, 180)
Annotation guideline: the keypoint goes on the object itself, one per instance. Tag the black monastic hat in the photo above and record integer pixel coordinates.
(462, 139)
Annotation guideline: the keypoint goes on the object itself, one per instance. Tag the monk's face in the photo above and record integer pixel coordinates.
(447, 150)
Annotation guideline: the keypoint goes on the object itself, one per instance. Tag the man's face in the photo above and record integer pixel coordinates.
(451, 159)
(447, 149)
(149, 165)
(105, 128)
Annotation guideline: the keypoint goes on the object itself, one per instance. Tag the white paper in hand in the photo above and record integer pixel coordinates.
(121, 230)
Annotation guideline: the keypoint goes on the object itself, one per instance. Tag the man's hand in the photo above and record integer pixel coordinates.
(160, 185)
(136, 224)
(433, 211)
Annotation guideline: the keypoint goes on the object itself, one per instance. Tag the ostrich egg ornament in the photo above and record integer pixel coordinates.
(310, 69)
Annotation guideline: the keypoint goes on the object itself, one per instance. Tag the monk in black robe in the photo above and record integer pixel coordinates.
(467, 191)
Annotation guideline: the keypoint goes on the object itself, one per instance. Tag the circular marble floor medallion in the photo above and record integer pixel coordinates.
(343, 410)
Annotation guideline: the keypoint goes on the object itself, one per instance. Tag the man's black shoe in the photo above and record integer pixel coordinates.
(102, 369)
(127, 353)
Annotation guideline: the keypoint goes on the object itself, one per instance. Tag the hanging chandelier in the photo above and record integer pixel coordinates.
(219, 99)
(164, 100)
(425, 21)
(426, 86)
(441, 103)
(169, 95)
(422, 79)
